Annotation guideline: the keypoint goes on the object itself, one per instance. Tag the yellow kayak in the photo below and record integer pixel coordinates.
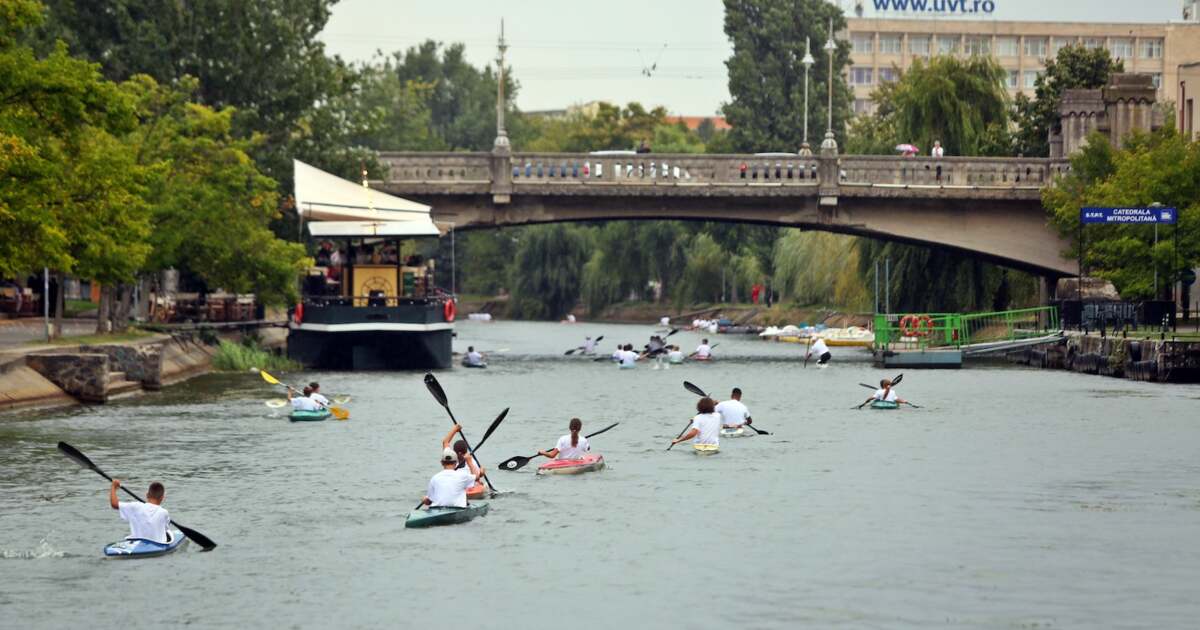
(705, 449)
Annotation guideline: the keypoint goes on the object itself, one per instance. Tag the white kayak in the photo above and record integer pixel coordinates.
(142, 548)
(736, 433)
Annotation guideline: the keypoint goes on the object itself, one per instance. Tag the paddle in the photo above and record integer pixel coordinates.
(491, 429)
(518, 462)
(73, 453)
(439, 395)
(699, 392)
(338, 412)
(572, 350)
(895, 382)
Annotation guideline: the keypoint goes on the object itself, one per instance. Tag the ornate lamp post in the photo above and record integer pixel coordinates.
(830, 144)
(501, 133)
(808, 62)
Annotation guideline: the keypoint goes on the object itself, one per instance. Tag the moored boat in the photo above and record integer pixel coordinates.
(445, 515)
(309, 416)
(588, 463)
(885, 404)
(735, 433)
(141, 548)
(705, 449)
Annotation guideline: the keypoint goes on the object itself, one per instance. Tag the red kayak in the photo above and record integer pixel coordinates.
(588, 463)
(477, 491)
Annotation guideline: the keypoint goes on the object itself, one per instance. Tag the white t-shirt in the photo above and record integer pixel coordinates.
(474, 358)
(449, 488)
(589, 346)
(891, 395)
(321, 400)
(304, 403)
(665, 321)
(616, 355)
(145, 520)
(629, 358)
(703, 351)
(819, 347)
(709, 425)
(676, 356)
(566, 451)
(937, 152)
(733, 412)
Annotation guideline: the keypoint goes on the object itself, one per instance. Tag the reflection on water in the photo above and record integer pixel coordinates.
(1013, 498)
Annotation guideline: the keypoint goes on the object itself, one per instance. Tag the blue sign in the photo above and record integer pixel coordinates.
(1127, 215)
(960, 7)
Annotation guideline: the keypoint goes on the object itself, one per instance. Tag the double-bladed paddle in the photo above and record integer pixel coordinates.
(573, 350)
(700, 392)
(518, 462)
(895, 382)
(74, 454)
(439, 395)
(710, 348)
(338, 412)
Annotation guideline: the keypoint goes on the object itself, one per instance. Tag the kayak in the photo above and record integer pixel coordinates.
(626, 367)
(588, 463)
(738, 432)
(705, 449)
(142, 548)
(675, 361)
(707, 358)
(474, 365)
(885, 404)
(477, 491)
(445, 515)
(309, 416)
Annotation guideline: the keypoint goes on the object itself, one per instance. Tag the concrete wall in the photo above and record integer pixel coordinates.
(82, 375)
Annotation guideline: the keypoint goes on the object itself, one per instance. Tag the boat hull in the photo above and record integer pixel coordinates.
(409, 336)
(884, 404)
(736, 433)
(434, 517)
(591, 463)
(136, 548)
(309, 416)
(706, 449)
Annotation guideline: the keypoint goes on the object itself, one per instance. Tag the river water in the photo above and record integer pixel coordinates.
(1013, 498)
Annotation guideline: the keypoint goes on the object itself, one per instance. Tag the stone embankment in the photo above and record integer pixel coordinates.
(1157, 360)
(59, 376)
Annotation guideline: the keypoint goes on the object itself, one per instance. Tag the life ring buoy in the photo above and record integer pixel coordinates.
(298, 313)
(908, 326)
(924, 326)
(449, 310)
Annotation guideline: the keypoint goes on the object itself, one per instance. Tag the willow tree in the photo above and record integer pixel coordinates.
(548, 271)
(961, 102)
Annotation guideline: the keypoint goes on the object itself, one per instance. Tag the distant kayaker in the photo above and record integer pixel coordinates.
(703, 351)
(618, 353)
(303, 403)
(316, 394)
(885, 393)
(147, 520)
(706, 424)
(819, 348)
(571, 445)
(628, 357)
(589, 346)
(473, 358)
(733, 412)
(448, 488)
(675, 355)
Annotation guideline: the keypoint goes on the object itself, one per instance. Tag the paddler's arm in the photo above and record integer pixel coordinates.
(112, 494)
(450, 435)
(475, 469)
(691, 433)
(550, 454)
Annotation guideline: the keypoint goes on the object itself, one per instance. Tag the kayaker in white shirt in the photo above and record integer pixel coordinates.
(733, 412)
(147, 520)
(589, 346)
(448, 488)
(316, 394)
(461, 450)
(474, 358)
(703, 351)
(571, 445)
(706, 425)
(819, 348)
(303, 403)
(885, 393)
(628, 356)
(675, 355)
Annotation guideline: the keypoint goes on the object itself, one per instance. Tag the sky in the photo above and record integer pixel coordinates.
(656, 52)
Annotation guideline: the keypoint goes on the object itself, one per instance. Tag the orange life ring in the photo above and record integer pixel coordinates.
(925, 326)
(908, 325)
(298, 313)
(449, 310)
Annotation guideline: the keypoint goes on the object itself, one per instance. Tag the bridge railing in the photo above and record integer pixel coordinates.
(439, 168)
(662, 168)
(952, 171)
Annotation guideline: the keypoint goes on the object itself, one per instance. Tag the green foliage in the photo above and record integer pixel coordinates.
(819, 268)
(766, 76)
(1075, 67)
(240, 357)
(548, 271)
(701, 280)
(1162, 167)
(486, 259)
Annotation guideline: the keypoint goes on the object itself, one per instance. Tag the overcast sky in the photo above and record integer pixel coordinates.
(569, 51)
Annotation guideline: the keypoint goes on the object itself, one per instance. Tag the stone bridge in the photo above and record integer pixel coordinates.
(986, 207)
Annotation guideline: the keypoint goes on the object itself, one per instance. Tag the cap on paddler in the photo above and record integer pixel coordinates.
(448, 456)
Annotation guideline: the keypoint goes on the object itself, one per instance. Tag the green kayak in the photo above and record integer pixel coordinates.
(885, 404)
(445, 515)
(309, 416)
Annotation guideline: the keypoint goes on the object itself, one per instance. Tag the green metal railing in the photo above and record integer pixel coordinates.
(953, 330)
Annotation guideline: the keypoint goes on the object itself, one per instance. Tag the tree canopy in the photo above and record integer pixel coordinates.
(1074, 67)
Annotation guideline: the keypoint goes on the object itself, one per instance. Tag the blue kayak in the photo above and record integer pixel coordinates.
(142, 548)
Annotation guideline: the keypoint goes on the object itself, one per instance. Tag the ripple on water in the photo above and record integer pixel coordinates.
(42, 550)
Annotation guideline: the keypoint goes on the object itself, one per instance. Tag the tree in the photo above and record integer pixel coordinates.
(1075, 67)
(548, 271)
(766, 76)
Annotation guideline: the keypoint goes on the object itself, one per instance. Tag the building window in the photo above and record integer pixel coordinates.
(1150, 49)
(1035, 47)
(1122, 48)
(863, 43)
(889, 45)
(1031, 79)
(1059, 43)
(862, 106)
(1092, 43)
(1013, 81)
(947, 44)
(888, 75)
(918, 45)
(1006, 47)
(979, 46)
(862, 76)
(1156, 79)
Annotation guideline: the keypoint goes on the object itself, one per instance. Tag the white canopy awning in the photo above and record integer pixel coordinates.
(372, 228)
(321, 196)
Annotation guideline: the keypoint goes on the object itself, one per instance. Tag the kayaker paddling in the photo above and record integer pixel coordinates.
(448, 488)
(885, 393)
(571, 445)
(304, 402)
(473, 358)
(462, 452)
(315, 394)
(733, 412)
(818, 348)
(628, 357)
(147, 521)
(703, 351)
(705, 427)
(675, 355)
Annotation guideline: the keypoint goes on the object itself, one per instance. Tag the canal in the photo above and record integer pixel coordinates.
(1013, 498)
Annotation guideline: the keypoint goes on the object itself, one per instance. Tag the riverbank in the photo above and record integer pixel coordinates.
(1163, 359)
(68, 372)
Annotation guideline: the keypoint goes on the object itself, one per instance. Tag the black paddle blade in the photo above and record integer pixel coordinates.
(599, 338)
(602, 430)
(205, 542)
(435, 388)
(492, 428)
(570, 352)
(870, 387)
(695, 390)
(79, 458)
(515, 463)
(899, 377)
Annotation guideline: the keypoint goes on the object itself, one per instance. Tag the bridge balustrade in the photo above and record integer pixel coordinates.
(660, 169)
(953, 171)
(440, 168)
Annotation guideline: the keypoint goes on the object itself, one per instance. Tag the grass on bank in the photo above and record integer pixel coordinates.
(94, 339)
(240, 357)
